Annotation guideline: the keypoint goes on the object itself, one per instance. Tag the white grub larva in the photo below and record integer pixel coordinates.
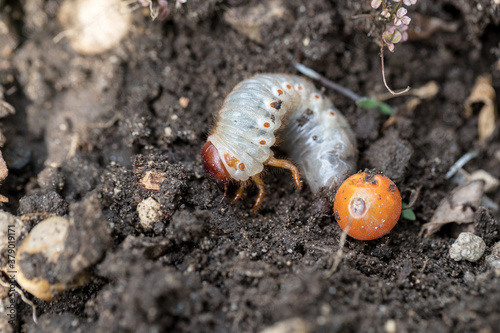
(313, 133)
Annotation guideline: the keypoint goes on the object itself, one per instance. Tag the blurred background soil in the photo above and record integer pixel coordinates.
(103, 133)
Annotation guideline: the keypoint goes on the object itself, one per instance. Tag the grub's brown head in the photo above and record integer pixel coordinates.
(213, 165)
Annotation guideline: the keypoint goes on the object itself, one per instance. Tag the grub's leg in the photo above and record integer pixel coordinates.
(287, 165)
(239, 193)
(225, 193)
(262, 191)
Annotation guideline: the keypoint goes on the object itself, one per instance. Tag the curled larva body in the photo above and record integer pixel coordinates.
(312, 132)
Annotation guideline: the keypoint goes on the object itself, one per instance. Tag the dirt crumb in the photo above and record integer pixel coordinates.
(390, 155)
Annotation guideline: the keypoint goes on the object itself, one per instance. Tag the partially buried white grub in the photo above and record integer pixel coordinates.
(94, 26)
(46, 241)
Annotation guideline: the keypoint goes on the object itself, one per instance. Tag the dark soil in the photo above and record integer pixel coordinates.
(94, 126)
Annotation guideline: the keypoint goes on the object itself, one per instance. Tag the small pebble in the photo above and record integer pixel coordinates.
(390, 326)
(469, 277)
(149, 211)
(467, 247)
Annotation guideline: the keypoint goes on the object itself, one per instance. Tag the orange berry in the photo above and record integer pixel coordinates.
(369, 204)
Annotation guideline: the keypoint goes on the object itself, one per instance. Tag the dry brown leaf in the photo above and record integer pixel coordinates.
(456, 207)
(427, 91)
(483, 93)
(486, 122)
(490, 183)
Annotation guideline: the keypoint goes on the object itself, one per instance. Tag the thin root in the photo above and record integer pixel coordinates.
(395, 93)
(23, 297)
(340, 252)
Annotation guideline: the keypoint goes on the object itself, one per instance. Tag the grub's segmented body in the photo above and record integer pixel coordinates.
(312, 131)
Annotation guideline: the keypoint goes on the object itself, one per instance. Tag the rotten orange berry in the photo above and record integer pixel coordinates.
(367, 206)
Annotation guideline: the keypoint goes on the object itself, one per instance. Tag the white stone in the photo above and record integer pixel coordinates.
(467, 247)
(150, 212)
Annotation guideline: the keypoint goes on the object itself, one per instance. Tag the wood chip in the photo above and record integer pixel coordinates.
(151, 178)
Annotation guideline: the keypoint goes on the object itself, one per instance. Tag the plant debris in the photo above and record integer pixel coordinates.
(483, 95)
(457, 207)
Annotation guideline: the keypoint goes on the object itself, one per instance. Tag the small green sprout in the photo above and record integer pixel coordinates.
(369, 103)
(408, 214)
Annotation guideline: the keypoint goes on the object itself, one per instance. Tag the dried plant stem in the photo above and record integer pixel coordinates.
(383, 76)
